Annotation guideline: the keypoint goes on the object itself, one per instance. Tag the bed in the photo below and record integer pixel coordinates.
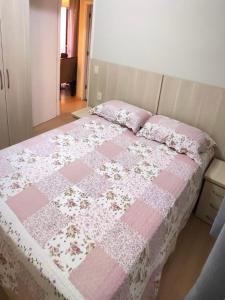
(91, 211)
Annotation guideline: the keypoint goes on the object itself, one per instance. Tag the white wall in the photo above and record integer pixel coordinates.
(44, 59)
(183, 38)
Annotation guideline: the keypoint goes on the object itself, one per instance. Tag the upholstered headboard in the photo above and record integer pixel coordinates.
(134, 86)
(199, 105)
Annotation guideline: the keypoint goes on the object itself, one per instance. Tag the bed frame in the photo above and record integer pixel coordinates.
(197, 104)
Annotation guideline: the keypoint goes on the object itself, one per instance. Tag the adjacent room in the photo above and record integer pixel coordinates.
(112, 150)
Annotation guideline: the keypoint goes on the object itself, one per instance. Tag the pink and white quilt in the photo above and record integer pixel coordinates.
(91, 211)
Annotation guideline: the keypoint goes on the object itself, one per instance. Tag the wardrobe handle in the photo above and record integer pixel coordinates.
(8, 79)
(1, 79)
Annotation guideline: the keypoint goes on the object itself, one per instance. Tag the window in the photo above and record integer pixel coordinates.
(63, 30)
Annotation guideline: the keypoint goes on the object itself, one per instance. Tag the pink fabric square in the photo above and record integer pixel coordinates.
(76, 171)
(191, 132)
(30, 142)
(27, 202)
(109, 149)
(170, 182)
(68, 126)
(98, 277)
(5, 168)
(143, 218)
(125, 139)
(187, 160)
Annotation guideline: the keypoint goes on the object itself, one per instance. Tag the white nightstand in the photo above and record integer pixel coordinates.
(213, 192)
(81, 113)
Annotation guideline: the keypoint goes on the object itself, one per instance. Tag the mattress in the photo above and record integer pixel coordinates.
(91, 211)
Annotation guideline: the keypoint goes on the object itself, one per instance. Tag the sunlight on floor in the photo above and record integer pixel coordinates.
(70, 103)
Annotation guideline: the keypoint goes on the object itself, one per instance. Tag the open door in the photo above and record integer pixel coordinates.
(88, 47)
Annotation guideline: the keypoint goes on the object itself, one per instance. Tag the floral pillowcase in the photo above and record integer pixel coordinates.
(122, 113)
(179, 136)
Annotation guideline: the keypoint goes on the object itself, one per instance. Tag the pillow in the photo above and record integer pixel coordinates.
(122, 113)
(179, 136)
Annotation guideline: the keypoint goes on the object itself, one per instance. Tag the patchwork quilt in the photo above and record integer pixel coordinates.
(91, 211)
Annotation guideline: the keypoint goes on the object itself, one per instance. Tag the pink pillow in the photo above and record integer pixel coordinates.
(122, 113)
(179, 136)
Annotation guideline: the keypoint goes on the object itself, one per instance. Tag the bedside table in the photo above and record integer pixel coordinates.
(213, 191)
(81, 113)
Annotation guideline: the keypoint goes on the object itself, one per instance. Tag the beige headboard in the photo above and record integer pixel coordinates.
(200, 105)
(134, 86)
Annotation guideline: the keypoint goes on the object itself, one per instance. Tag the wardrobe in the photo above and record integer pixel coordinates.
(15, 83)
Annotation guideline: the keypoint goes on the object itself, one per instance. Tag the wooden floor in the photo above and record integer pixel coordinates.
(185, 264)
(68, 104)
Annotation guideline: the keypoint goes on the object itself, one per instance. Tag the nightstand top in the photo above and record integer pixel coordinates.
(84, 112)
(216, 173)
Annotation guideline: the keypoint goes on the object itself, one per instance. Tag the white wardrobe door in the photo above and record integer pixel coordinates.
(15, 41)
(4, 134)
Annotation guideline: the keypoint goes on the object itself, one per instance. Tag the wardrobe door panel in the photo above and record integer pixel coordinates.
(4, 134)
(15, 40)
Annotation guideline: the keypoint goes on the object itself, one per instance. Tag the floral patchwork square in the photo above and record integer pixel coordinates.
(94, 185)
(5, 168)
(42, 148)
(115, 130)
(23, 159)
(63, 140)
(31, 165)
(96, 222)
(96, 127)
(157, 198)
(163, 156)
(112, 170)
(116, 201)
(10, 151)
(181, 169)
(12, 184)
(123, 244)
(140, 149)
(54, 185)
(95, 159)
(106, 131)
(93, 140)
(127, 159)
(146, 169)
(45, 223)
(59, 159)
(78, 132)
(69, 248)
(47, 136)
(133, 184)
(38, 170)
(125, 139)
(73, 152)
(73, 202)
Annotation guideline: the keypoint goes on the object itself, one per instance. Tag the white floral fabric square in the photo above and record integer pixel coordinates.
(69, 248)
(12, 184)
(73, 202)
(112, 170)
(116, 200)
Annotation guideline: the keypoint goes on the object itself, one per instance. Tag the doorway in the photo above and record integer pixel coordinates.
(88, 48)
(75, 42)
